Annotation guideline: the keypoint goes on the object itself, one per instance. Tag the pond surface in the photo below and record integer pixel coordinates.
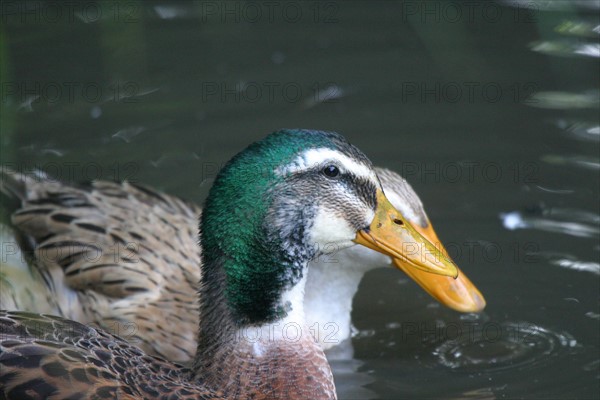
(490, 110)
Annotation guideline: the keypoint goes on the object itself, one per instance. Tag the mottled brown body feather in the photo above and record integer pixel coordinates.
(44, 357)
(122, 257)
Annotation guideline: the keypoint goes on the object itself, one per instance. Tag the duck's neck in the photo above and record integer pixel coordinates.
(279, 359)
(331, 285)
(328, 302)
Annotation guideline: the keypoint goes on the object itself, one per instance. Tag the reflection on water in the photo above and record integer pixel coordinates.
(581, 130)
(576, 38)
(570, 261)
(571, 222)
(576, 160)
(564, 100)
(567, 49)
(579, 28)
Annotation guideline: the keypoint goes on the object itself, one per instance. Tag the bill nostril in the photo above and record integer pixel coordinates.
(398, 221)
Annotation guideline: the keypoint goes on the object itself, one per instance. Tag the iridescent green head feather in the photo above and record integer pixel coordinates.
(273, 208)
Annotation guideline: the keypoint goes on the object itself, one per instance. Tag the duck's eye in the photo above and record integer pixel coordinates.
(331, 171)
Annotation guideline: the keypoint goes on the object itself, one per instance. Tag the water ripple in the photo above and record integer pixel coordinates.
(511, 345)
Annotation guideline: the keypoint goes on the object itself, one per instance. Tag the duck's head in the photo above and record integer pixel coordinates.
(285, 200)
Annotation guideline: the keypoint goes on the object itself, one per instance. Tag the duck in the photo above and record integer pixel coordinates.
(272, 208)
(124, 257)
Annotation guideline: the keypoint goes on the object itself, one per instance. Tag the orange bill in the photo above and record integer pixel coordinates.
(419, 253)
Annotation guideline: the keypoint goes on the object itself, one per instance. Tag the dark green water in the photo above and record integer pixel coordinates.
(490, 110)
